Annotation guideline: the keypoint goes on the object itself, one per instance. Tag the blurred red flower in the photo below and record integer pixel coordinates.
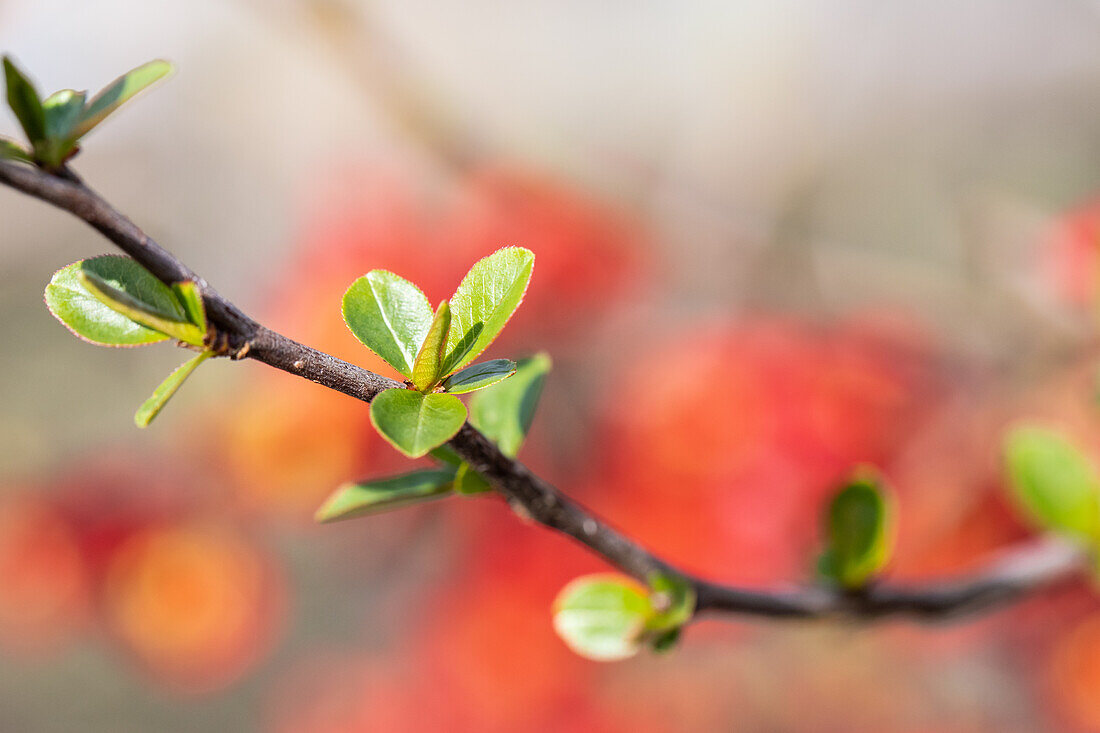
(45, 584)
(195, 604)
(740, 432)
(1070, 256)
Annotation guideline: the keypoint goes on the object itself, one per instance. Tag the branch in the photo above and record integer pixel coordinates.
(233, 333)
(1014, 574)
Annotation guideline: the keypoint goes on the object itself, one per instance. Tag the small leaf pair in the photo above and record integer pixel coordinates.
(392, 317)
(503, 412)
(54, 126)
(114, 301)
(607, 617)
(859, 531)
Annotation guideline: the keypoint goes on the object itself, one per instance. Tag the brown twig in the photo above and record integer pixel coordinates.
(1023, 571)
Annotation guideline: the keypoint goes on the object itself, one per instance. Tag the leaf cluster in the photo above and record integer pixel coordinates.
(113, 301)
(432, 350)
(503, 412)
(55, 125)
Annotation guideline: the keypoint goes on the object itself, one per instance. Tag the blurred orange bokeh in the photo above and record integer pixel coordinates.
(196, 605)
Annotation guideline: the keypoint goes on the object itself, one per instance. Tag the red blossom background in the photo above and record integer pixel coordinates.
(711, 385)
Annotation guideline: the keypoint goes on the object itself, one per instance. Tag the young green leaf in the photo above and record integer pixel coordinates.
(25, 103)
(859, 530)
(118, 92)
(62, 109)
(140, 312)
(381, 495)
(457, 357)
(504, 412)
(429, 360)
(488, 294)
(414, 422)
(390, 316)
(10, 150)
(825, 565)
(156, 402)
(479, 376)
(124, 274)
(1052, 481)
(70, 301)
(190, 298)
(602, 617)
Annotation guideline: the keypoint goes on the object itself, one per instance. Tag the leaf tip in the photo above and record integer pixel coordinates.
(326, 513)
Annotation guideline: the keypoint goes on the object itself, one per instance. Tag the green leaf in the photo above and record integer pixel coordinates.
(479, 376)
(859, 530)
(469, 482)
(488, 295)
(190, 297)
(825, 565)
(504, 412)
(11, 150)
(429, 360)
(118, 92)
(390, 316)
(414, 422)
(62, 109)
(152, 406)
(138, 311)
(602, 617)
(457, 357)
(1053, 481)
(381, 495)
(91, 319)
(125, 275)
(25, 103)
